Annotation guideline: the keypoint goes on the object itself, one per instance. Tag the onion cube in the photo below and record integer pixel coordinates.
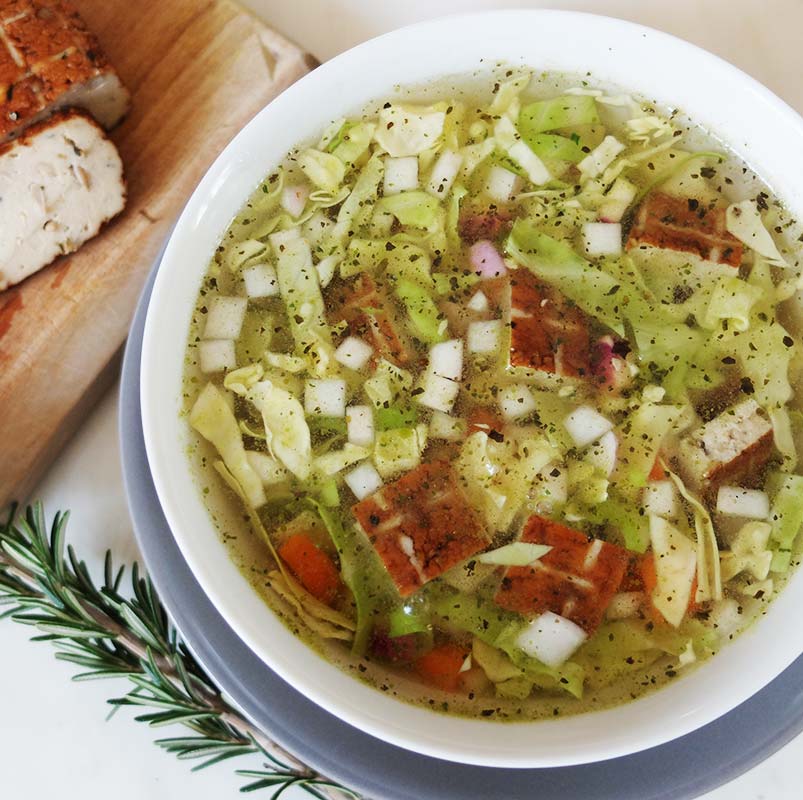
(551, 638)
(325, 397)
(446, 359)
(516, 401)
(363, 480)
(733, 501)
(353, 353)
(484, 337)
(444, 172)
(225, 316)
(585, 425)
(536, 170)
(401, 174)
(553, 485)
(294, 198)
(602, 453)
(439, 393)
(270, 471)
(660, 499)
(444, 426)
(216, 355)
(602, 238)
(260, 281)
(478, 303)
(360, 425)
(502, 184)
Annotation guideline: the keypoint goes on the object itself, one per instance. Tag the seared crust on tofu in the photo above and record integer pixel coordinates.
(685, 225)
(59, 183)
(577, 578)
(50, 60)
(421, 525)
(546, 332)
(731, 447)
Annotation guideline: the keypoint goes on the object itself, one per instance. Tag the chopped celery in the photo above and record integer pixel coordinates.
(327, 426)
(470, 613)
(328, 494)
(386, 419)
(405, 619)
(396, 451)
(567, 111)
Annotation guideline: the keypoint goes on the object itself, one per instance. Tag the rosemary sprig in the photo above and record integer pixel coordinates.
(109, 634)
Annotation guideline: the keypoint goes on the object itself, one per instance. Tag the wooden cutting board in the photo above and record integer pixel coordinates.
(198, 70)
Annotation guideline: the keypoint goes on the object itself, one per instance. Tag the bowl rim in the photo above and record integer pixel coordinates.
(366, 708)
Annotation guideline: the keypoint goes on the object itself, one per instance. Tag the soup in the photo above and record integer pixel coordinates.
(500, 387)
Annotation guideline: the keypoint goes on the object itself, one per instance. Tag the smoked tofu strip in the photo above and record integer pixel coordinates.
(59, 183)
(685, 225)
(732, 446)
(421, 526)
(49, 60)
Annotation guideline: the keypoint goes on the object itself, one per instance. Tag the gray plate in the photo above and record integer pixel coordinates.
(684, 768)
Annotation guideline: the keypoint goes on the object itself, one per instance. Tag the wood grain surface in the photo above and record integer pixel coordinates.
(198, 70)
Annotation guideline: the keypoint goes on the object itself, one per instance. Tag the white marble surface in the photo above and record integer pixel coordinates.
(54, 737)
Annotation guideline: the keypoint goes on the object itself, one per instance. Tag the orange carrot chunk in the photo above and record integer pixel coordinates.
(314, 569)
(441, 666)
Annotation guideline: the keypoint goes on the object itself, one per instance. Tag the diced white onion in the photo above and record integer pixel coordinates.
(270, 471)
(360, 425)
(280, 239)
(624, 605)
(353, 353)
(224, 318)
(660, 499)
(725, 617)
(484, 337)
(551, 638)
(326, 269)
(602, 238)
(446, 359)
(536, 170)
(439, 393)
(401, 174)
(363, 480)
(478, 303)
(294, 198)
(502, 184)
(734, 501)
(585, 425)
(602, 453)
(617, 201)
(516, 401)
(260, 281)
(444, 426)
(215, 355)
(325, 397)
(444, 172)
(600, 157)
(553, 485)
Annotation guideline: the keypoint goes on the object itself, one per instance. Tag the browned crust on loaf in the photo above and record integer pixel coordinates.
(45, 50)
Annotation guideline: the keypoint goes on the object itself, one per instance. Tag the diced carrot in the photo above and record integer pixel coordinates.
(657, 473)
(314, 569)
(441, 666)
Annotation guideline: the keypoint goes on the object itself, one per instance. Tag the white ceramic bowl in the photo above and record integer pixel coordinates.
(751, 120)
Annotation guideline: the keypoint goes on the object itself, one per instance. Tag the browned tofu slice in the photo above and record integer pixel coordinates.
(421, 525)
(576, 579)
(546, 332)
(60, 181)
(684, 225)
(731, 447)
(50, 60)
